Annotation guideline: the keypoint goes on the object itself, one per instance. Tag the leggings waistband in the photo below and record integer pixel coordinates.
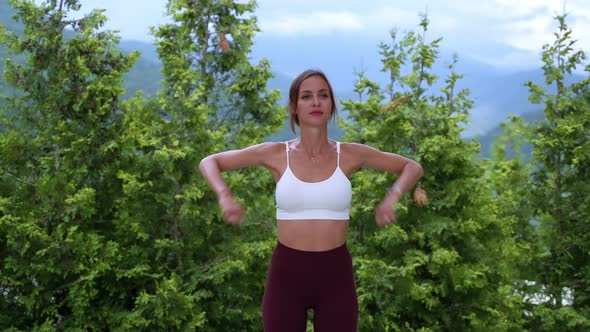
(294, 251)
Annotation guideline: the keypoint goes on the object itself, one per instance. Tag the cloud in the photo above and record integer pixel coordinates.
(579, 22)
(387, 17)
(507, 33)
(316, 23)
(527, 34)
(497, 31)
(526, 24)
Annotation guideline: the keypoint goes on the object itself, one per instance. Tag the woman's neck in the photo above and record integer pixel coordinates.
(314, 142)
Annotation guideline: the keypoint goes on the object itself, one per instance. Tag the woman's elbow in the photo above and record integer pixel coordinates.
(205, 163)
(418, 169)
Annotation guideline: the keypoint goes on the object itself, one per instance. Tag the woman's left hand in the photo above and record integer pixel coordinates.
(385, 212)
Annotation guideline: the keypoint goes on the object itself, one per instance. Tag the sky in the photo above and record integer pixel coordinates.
(507, 34)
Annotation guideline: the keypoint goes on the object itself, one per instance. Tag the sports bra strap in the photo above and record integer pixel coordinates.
(338, 151)
(287, 149)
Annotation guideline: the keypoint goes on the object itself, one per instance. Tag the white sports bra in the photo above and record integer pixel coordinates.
(327, 199)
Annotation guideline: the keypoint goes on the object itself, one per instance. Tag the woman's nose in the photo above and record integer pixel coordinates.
(316, 100)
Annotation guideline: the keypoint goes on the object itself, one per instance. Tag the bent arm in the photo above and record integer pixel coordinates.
(211, 171)
(212, 166)
(409, 175)
(409, 171)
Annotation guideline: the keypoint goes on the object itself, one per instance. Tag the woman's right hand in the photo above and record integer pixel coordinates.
(233, 212)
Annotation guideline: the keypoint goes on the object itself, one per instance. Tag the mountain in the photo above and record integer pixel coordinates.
(6, 20)
(145, 75)
(487, 140)
(6, 13)
(147, 50)
(495, 92)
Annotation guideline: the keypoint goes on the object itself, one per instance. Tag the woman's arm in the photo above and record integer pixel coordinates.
(212, 166)
(409, 172)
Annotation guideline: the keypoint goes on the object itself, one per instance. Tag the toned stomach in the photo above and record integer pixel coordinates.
(312, 235)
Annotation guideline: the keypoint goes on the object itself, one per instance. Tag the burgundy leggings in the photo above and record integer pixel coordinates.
(298, 280)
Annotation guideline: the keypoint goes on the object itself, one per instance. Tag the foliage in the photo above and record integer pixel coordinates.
(212, 99)
(59, 259)
(105, 221)
(446, 266)
(106, 224)
(559, 185)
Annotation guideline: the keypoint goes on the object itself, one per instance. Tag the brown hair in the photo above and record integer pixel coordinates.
(294, 94)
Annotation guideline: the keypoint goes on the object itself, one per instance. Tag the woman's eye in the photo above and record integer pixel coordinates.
(325, 96)
(305, 97)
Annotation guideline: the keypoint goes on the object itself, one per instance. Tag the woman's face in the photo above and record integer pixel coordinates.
(314, 103)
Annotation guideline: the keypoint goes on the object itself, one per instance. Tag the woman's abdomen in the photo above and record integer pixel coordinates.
(312, 235)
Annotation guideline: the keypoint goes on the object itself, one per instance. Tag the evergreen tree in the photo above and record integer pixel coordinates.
(58, 143)
(444, 266)
(208, 275)
(508, 173)
(105, 221)
(560, 183)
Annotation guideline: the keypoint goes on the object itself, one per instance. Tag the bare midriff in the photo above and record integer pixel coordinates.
(312, 235)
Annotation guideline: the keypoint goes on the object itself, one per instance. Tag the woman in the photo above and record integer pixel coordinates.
(311, 266)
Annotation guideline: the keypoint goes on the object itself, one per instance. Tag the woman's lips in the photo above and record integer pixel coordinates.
(316, 113)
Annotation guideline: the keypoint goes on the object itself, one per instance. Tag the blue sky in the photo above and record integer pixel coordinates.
(504, 33)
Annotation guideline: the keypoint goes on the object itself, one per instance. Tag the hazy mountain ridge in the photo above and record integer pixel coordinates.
(495, 92)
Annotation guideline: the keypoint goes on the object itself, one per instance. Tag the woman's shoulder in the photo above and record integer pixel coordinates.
(354, 148)
(359, 152)
(269, 148)
(273, 145)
